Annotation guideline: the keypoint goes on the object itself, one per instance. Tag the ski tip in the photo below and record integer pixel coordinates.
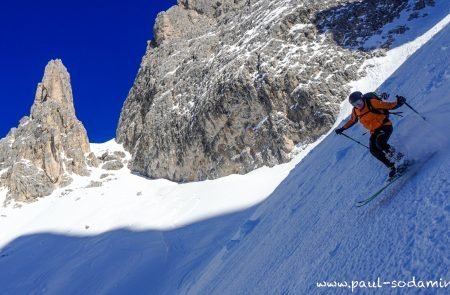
(361, 203)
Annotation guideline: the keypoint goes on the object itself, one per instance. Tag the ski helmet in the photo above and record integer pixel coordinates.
(355, 96)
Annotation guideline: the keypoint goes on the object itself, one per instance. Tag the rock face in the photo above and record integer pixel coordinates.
(49, 145)
(228, 86)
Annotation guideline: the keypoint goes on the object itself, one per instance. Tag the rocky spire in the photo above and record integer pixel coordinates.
(47, 147)
(55, 86)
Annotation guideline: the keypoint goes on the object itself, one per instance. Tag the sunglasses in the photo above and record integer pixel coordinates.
(359, 103)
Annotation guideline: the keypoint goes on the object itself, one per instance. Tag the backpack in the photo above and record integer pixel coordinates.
(372, 95)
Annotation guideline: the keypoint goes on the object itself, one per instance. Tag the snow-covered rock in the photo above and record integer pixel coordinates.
(229, 86)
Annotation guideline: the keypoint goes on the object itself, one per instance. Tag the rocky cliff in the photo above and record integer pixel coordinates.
(231, 85)
(49, 145)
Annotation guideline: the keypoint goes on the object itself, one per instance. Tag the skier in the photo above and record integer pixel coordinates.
(373, 114)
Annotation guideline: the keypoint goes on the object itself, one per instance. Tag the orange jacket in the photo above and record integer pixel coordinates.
(369, 119)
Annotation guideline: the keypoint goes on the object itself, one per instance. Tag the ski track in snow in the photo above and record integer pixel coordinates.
(139, 236)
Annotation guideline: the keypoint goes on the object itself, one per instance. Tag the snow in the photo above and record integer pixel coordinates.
(380, 68)
(298, 27)
(171, 73)
(129, 225)
(25, 123)
(260, 123)
(275, 230)
(417, 26)
(101, 148)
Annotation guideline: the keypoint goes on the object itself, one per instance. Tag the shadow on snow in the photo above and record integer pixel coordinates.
(121, 261)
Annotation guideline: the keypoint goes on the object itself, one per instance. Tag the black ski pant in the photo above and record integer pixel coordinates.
(379, 146)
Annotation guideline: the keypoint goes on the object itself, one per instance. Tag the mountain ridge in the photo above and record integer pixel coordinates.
(226, 87)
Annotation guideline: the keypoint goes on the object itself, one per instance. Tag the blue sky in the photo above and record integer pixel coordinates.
(100, 42)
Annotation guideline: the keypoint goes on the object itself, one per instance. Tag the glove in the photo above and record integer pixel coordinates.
(400, 100)
(339, 130)
(384, 96)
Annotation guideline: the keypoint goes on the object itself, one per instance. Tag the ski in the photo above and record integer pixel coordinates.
(403, 170)
(377, 193)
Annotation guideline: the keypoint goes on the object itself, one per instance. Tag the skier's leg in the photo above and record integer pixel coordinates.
(385, 133)
(378, 143)
(389, 151)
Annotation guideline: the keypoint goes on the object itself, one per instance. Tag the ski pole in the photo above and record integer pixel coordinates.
(355, 140)
(407, 104)
(425, 119)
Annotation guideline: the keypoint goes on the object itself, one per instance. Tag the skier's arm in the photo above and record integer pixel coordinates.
(352, 121)
(384, 105)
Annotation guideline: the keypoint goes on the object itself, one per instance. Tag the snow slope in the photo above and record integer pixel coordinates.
(134, 235)
(309, 229)
(131, 234)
